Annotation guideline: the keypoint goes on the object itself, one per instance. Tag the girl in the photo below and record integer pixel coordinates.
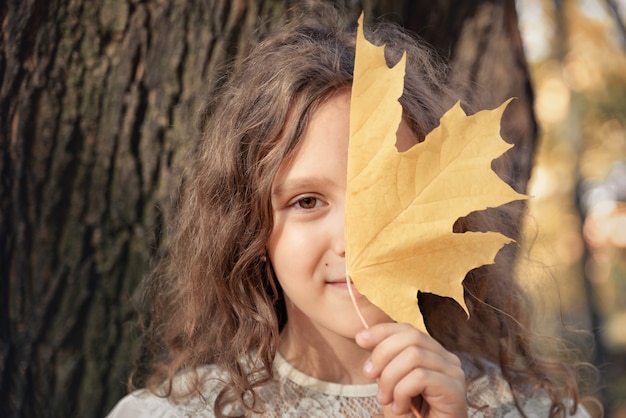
(249, 312)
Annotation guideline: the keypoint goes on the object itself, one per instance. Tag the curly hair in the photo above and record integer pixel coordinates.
(212, 299)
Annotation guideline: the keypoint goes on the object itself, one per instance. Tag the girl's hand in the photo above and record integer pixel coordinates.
(409, 363)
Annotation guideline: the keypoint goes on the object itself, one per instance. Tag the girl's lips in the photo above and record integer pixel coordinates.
(337, 283)
(340, 283)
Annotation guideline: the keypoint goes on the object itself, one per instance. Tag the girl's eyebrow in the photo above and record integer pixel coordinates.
(289, 185)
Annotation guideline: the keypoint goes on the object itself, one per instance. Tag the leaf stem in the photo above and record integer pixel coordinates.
(364, 322)
(356, 306)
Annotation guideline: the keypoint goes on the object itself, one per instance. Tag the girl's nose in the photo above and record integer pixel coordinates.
(339, 231)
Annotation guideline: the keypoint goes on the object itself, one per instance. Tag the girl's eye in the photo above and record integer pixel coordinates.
(308, 202)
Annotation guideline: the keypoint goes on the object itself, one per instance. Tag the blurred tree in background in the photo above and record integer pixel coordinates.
(577, 227)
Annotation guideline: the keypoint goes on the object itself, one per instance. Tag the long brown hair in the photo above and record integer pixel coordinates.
(213, 299)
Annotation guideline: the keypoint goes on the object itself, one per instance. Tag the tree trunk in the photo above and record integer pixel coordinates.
(94, 119)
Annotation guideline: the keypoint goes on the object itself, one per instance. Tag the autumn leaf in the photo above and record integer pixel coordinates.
(401, 206)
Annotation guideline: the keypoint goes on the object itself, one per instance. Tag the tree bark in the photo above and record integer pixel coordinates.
(95, 107)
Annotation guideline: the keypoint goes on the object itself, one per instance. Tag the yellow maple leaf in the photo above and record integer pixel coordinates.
(401, 206)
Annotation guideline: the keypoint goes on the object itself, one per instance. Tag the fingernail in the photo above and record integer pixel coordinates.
(365, 334)
(369, 367)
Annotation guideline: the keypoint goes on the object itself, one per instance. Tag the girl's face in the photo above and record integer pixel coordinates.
(306, 247)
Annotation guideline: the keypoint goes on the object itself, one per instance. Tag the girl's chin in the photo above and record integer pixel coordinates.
(374, 315)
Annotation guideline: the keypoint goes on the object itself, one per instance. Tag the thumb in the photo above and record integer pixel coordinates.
(388, 413)
(418, 403)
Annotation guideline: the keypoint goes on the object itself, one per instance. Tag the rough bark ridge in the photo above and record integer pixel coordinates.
(95, 99)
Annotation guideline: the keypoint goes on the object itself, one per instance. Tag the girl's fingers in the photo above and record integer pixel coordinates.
(387, 341)
(371, 337)
(444, 395)
(408, 363)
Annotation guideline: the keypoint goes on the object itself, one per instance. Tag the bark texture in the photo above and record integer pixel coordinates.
(96, 107)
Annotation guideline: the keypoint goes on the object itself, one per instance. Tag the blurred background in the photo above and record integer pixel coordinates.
(575, 232)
